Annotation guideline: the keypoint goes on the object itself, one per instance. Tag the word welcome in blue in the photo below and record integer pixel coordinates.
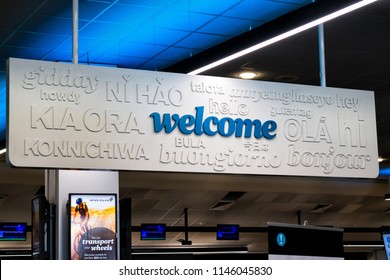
(211, 125)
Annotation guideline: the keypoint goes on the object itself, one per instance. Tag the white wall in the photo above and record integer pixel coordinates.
(76, 181)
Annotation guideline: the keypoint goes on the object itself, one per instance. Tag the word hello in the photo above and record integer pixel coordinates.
(211, 126)
(52, 77)
(225, 108)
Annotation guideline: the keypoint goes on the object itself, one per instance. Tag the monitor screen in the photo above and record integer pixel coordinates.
(292, 241)
(13, 231)
(39, 208)
(386, 241)
(153, 231)
(228, 232)
(92, 226)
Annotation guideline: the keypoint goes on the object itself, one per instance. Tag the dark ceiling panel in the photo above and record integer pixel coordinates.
(24, 6)
(48, 25)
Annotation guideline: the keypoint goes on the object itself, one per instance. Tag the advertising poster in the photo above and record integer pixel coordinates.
(92, 227)
(386, 240)
(37, 215)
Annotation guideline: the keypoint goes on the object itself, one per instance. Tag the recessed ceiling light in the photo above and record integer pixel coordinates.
(380, 159)
(2, 151)
(247, 75)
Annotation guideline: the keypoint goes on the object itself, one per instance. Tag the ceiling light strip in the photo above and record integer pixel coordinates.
(3, 151)
(283, 36)
(362, 246)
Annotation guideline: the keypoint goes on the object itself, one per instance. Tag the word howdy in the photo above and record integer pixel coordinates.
(211, 125)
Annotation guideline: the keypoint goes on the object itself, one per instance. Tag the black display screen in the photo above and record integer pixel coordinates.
(309, 241)
(153, 231)
(39, 206)
(228, 232)
(13, 231)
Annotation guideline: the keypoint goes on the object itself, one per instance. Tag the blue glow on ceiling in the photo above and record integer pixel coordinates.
(141, 34)
(384, 171)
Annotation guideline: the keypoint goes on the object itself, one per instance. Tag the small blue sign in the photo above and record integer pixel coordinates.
(281, 239)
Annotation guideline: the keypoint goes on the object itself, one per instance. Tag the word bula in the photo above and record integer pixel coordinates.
(211, 125)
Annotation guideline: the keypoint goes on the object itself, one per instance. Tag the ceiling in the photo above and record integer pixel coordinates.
(181, 35)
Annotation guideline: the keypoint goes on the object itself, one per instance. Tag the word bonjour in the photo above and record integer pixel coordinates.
(211, 125)
(327, 161)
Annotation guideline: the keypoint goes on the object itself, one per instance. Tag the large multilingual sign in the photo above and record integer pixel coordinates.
(87, 117)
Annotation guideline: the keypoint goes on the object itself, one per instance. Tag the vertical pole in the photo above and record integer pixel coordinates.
(186, 224)
(321, 49)
(75, 32)
(388, 186)
(299, 217)
(59, 183)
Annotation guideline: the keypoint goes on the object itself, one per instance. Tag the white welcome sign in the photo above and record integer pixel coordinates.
(77, 116)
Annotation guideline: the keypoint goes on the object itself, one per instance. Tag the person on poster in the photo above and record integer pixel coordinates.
(82, 210)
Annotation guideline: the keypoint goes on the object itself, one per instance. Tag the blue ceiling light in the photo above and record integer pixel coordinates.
(2, 112)
(384, 172)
